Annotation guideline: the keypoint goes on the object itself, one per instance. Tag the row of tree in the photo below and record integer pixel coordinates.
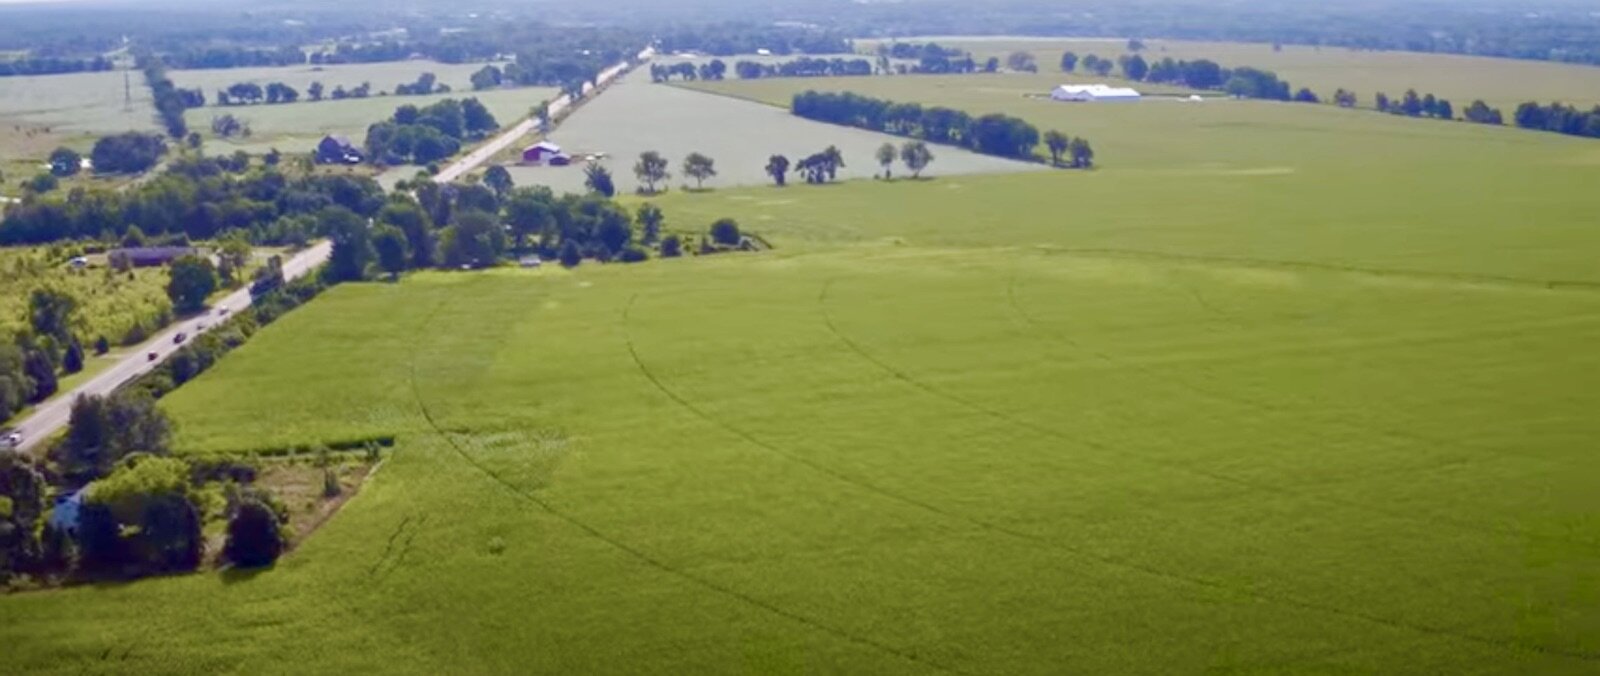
(992, 134)
(428, 134)
(1559, 118)
(47, 65)
(1412, 104)
(169, 100)
(804, 67)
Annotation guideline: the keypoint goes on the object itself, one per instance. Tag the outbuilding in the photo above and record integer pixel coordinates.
(1094, 92)
(337, 149)
(545, 152)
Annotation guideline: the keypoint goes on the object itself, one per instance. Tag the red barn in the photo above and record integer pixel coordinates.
(544, 152)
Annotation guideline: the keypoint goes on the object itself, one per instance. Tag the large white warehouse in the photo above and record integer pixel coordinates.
(1093, 92)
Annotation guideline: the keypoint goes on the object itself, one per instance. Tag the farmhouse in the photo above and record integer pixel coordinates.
(545, 152)
(337, 149)
(1093, 92)
(150, 256)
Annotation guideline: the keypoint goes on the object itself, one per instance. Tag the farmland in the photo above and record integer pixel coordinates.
(40, 113)
(383, 77)
(635, 116)
(1276, 388)
(296, 127)
(1502, 83)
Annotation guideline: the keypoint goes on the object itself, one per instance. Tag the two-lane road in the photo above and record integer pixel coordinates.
(53, 414)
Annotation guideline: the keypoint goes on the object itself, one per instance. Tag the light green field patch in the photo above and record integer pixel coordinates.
(73, 103)
(383, 77)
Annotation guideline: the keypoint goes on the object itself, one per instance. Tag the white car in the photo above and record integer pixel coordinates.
(11, 440)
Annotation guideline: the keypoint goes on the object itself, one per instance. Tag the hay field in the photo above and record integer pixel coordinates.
(635, 116)
(297, 127)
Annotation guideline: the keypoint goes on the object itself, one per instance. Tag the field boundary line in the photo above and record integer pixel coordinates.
(644, 557)
(1248, 404)
(1272, 598)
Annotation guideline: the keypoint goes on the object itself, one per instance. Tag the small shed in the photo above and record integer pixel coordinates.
(149, 256)
(545, 152)
(338, 149)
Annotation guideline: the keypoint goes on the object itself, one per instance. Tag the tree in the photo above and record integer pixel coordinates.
(191, 280)
(1444, 110)
(152, 504)
(127, 153)
(43, 182)
(886, 157)
(777, 168)
(65, 162)
(1082, 154)
(650, 218)
(41, 370)
(498, 178)
(651, 169)
(570, 256)
(1481, 113)
(1134, 67)
(72, 360)
(699, 167)
(392, 248)
(314, 91)
(1135, 44)
(598, 179)
(476, 240)
(50, 313)
(1021, 62)
(726, 232)
(101, 431)
(1411, 104)
(255, 535)
(528, 213)
(476, 118)
(671, 247)
(101, 345)
(916, 156)
(22, 510)
(1381, 102)
(1344, 98)
(1069, 62)
(352, 244)
(404, 213)
(1057, 142)
(1305, 95)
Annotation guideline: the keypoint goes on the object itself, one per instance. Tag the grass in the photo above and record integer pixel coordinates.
(634, 116)
(297, 127)
(1502, 83)
(92, 103)
(1243, 399)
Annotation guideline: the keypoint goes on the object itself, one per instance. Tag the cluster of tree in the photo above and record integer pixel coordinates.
(918, 50)
(914, 154)
(1481, 113)
(1559, 118)
(489, 77)
(992, 134)
(804, 67)
(250, 93)
(196, 197)
(31, 360)
(428, 134)
(714, 69)
(170, 101)
(651, 170)
(228, 126)
(127, 153)
(1413, 105)
(53, 66)
(727, 39)
(232, 56)
(1091, 64)
(427, 83)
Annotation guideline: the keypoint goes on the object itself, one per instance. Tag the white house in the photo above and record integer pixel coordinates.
(1093, 92)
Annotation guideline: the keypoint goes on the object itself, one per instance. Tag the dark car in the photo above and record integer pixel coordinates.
(179, 338)
(152, 356)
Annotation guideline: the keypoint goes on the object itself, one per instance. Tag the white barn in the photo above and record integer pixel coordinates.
(1094, 92)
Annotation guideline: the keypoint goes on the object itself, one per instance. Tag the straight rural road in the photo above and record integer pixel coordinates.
(558, 106)
(53, 414)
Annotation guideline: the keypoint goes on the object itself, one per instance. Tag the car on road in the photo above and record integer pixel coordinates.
(10, 439)
(151, 357)
(179, 338)
(222, 310)
(200, 327)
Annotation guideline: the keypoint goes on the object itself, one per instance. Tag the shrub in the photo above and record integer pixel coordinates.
(570, 256)
(633, 254)
(330, 483)
(255, 536)
(725, 232)
(671, 247)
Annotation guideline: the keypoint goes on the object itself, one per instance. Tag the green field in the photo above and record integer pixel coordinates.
(1277, 388)
(109, 304)
(297, 127)
(383, 77)
(1502, 83)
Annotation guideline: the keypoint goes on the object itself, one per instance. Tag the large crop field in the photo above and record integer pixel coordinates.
(297, 127)
(40, 113)
(1277, 388)
(1502, 83)
(635, 116)
(383, 77)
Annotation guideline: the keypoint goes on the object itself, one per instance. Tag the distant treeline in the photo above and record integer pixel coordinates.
(727, 39)
(804, 67)
(53, 66)
(1559, 118)
(992, 134)
(250, 93)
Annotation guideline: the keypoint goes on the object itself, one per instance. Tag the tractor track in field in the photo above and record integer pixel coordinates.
(1462, 525)
(651, 561)
(1287, 601)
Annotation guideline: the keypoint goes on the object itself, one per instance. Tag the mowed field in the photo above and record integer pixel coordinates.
(297, 127)
(636, 115)
(383, 77)
(1277, 388)
(40, 113)
(1502, 83)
